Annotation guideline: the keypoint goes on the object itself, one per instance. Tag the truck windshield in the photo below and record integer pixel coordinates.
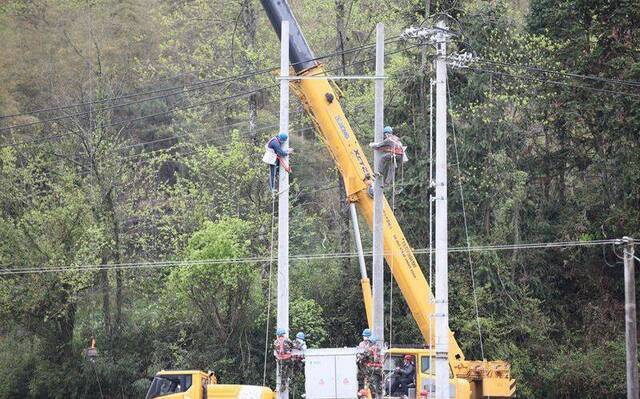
(391, 362)
(167, 384)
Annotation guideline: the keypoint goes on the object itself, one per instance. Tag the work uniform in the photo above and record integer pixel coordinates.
(282, 351)
(273, 154)
(298, 359)
(392, 157)
(404, 375)
(369, 362)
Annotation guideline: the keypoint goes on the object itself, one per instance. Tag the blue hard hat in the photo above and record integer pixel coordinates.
(387, 129)
(280, 331)
(366, 332)
(282, 136)
(300, 335)
(373, 338)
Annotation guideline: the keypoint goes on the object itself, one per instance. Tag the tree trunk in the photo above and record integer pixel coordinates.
(344, 212)
(341, 37)
(115, 254)
(106, 301)
(546, 164)
(423, 87)
(516, 239)
(249, 22)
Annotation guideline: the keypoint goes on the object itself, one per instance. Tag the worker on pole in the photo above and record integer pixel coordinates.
(369, 362)
(394, 155)
(299, 346)
(282, 347)
(300, 343)
(275, 155)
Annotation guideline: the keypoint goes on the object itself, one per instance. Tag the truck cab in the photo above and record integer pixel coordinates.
(196, 384)
(423, 385)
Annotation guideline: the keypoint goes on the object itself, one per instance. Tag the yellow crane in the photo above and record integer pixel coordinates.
(470, 379)
(485, 378)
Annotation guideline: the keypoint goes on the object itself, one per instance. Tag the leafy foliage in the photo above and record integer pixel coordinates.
(107, 187)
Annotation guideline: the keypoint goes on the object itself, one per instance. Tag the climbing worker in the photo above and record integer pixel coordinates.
(299, 343)
(369, 362)
(282, 351)
(366, 335)
(373, 367)
(394, 155)
(274, 155)
(362, 355)
(405, 375)
(299, 346)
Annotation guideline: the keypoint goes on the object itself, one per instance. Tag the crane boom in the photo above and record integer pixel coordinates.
(321, 104)
(350, 159)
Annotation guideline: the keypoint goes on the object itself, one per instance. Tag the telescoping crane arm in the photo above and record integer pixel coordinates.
(320, 102)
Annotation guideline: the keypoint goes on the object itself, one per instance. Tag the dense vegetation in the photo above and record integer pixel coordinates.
(175, 176)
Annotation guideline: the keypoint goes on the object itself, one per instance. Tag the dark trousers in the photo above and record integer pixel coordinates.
(388, 164)
(273, 175)
(401, 383)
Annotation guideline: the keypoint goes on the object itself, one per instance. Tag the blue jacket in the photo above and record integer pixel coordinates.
(276, 146)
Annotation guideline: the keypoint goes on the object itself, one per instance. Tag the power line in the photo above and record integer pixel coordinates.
(631, 83)
(42, 121)
(257, 129)
(555, 82)
(129, 121)
(466, 227)
(216, 140)
(305, 257)
(178, 89)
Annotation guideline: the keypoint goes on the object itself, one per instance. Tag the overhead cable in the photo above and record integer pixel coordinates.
(178, 89)
(555, 82)
(234, 96)
(632, 83)
(305, 257)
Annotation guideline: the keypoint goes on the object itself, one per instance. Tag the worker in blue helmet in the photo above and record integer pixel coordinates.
(300, 343)
(282, 347)
(299, 346)
(369, 362)
(392, 157)
(274, 155)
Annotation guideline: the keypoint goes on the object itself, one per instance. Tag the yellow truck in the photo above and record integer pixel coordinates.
(196, 384)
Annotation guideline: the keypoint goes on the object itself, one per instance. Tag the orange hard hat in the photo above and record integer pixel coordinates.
(408, 357)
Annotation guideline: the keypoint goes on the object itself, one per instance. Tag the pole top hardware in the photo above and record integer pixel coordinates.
(436, 34)
(461, 60)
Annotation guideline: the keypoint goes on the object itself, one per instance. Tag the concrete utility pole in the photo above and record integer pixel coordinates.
(378, 196)
(630, 318)
(283, 200)
(442, 273)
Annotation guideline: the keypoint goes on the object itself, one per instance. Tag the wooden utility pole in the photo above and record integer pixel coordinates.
(630, 318)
